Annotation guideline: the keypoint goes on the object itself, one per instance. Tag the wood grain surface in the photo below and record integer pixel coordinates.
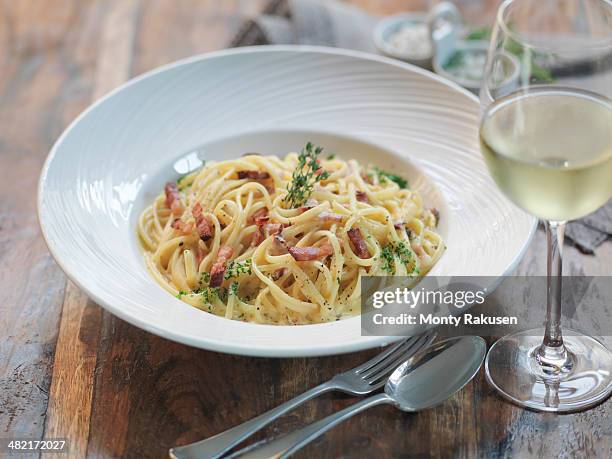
(69, 369)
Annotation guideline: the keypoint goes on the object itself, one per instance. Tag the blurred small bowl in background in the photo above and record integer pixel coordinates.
(407, 37)
(465, 65)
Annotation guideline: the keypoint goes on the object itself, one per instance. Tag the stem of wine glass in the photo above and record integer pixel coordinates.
(552, 355)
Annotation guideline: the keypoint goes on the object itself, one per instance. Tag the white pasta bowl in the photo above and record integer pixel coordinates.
(114, 158)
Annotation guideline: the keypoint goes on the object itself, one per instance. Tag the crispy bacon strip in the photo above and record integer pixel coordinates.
(218, 268)
(274, 228)
(197, 210)
(173, 200)
(253, 175)
(258, 215)
(183, 227)
(359, 244)
(280, 245)
(276, 275)
(264, 230)
(330, 217)
(361, 196)
(202, 225)
(311, 253)
(258, 236)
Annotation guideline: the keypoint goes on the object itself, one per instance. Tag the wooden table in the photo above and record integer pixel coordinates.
(70, 369)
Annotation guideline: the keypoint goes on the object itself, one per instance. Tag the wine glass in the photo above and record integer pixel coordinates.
(546, 137)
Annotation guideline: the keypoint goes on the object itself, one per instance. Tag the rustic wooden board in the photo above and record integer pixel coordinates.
(47, 50)
(118, 391)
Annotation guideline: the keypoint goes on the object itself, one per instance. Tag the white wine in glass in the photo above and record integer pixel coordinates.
(550, 151)
(546, 137)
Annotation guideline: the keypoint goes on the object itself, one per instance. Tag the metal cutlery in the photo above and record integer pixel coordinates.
(361, 380)
(423, 381)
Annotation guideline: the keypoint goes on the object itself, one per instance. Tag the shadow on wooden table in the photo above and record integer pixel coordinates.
(150, 394)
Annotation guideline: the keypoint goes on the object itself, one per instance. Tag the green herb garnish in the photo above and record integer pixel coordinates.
(399, 250)
(331, 156)
(383, 176)
(305, 175)
(207, 293)
(233, 290)
(403, 252)
(180, 183)
(388, 259)
(181, 294)
(236, 268)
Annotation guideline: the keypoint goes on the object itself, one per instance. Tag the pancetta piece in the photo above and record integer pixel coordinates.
(218, 268)
(361, 196)
(273, 228)
(361, 249)
(183, 227)
(259, 217)
(253, 175)
(173, 199)
(202, 225)
(311, 253)
(280, 272)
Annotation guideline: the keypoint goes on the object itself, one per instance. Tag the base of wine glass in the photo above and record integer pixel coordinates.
(512, 367)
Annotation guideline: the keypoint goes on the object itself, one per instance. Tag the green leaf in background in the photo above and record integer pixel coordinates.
(455, 61)
(480, 33)
(538, 74)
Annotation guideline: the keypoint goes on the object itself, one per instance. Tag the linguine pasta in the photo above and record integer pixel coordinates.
(285, 241)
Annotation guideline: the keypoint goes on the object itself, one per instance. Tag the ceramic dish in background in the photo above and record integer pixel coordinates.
(405, 36)
(116, 155)
(465, 65)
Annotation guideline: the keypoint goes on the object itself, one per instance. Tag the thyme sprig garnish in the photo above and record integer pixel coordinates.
(307, 173)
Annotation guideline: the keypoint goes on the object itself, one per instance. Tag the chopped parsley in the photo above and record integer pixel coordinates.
(180, 183)
(205, 278)
(305, 176)
(388, 259)
(383, 176)
(331, 156)
(206, 293)
(233, 290)
(402, 251)
(237, 268)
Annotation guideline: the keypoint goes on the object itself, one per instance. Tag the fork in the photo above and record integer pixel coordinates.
(361, 380)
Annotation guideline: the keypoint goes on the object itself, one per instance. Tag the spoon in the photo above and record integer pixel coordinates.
(423, 381)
